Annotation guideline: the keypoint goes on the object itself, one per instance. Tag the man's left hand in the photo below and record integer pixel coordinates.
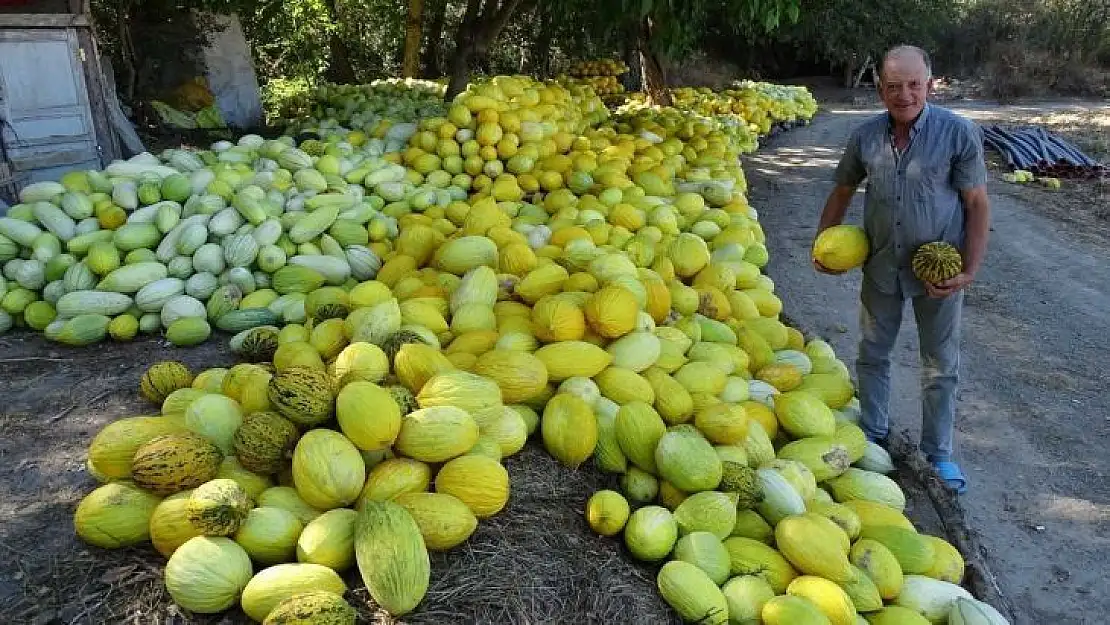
(948, 287)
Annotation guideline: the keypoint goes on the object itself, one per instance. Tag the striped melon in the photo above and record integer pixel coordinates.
(303, 395)
(175, 462)
(218, 507)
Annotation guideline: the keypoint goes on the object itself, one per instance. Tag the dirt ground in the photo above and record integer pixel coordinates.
(1033, 410)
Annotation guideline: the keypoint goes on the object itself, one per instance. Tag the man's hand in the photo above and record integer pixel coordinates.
(823, 269)
(948, 287)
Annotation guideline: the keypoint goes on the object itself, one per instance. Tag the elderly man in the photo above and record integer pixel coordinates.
(926, 181)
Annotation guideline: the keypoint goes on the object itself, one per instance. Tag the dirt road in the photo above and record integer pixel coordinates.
(1034, 417)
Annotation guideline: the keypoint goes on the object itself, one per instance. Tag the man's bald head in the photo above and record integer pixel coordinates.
(906, 55)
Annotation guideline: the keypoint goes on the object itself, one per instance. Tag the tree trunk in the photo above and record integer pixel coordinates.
(413, 31)
(430, 62)
(339, 69)
(633, 80)
(655, 82)
(540, 54)
(479, 28)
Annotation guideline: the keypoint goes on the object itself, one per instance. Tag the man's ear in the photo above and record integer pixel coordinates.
(930, 86)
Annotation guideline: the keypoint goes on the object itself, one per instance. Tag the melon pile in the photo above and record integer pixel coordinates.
(602, 75)
(542, 271)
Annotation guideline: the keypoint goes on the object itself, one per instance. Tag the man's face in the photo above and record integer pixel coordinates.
(904, 87)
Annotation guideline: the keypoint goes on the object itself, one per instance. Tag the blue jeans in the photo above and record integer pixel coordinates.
(938, 330)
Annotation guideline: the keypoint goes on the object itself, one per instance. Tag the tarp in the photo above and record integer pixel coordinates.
(231, 74)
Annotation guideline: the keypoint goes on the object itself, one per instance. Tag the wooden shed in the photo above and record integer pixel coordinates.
(54, 113)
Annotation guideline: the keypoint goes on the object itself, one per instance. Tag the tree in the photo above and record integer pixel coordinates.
(665, 29)
(340, 69)
(481, 24)
(413, 31)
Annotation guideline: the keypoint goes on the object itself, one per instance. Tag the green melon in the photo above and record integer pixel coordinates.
(392, 557)
(912, 550)
(687, 460)
(692, 593)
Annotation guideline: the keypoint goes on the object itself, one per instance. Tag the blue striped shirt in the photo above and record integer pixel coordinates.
(912, 198)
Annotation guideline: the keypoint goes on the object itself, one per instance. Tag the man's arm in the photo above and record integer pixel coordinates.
(835, 207)
(969, 175)
(977, 227)
(849, 173)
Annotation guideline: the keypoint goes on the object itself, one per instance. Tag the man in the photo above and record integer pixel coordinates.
(926, 181)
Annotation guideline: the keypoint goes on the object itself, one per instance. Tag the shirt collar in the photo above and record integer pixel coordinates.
(918, 123)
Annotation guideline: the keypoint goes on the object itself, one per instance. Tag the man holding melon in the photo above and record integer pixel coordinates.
(926, 223)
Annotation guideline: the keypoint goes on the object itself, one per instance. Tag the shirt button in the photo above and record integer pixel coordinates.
(898, 223)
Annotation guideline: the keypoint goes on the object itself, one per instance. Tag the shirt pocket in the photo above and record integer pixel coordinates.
(931, 180)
